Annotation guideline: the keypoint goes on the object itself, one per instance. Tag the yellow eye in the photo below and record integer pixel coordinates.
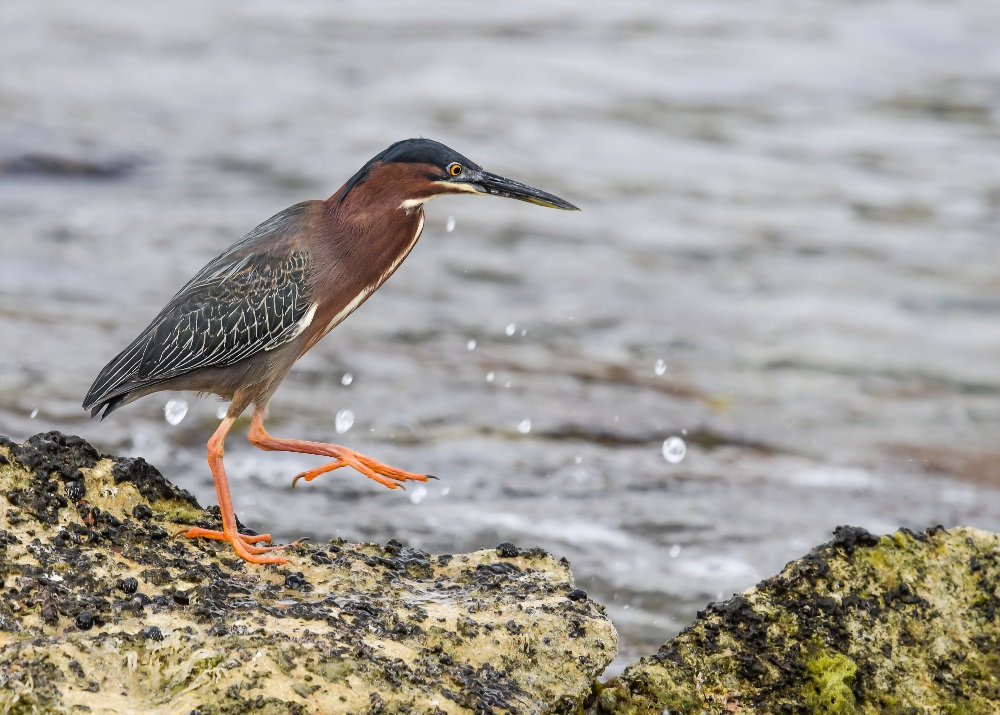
(455, 169)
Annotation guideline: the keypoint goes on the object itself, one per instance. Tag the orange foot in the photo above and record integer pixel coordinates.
(243, 545)
(385, 475)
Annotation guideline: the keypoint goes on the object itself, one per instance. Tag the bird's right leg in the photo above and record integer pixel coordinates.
(242, 545)
(384, 474)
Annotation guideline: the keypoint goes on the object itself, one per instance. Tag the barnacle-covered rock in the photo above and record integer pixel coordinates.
(102, 612)
(906, 623)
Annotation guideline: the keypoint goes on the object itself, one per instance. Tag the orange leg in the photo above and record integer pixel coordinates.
(242, 545)
(385, 475)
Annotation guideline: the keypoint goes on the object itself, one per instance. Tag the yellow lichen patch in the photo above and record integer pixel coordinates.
(828, 690)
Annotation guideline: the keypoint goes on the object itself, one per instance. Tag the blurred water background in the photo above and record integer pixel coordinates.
(787, 258)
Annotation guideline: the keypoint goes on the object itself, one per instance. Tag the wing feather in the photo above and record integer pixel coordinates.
(250, 299)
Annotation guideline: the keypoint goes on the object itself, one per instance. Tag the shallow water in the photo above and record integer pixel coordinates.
(787, 256)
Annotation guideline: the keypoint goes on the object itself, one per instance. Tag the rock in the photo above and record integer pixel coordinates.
(102, 612)
(907, 623)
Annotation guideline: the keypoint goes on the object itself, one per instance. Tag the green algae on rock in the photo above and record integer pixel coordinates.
(101, 612)
(906, 623)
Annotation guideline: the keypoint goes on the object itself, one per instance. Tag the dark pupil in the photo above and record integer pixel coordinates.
(456, 170)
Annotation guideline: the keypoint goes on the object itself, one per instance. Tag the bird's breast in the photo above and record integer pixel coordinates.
(342, 291)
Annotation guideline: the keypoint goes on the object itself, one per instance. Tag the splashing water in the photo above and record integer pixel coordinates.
(660, 367)
(450, 224)
(220, 412)
(524, 426)
(418, 494)
(509, 330)
(490, 377)
(175, 411)
(675, 551)
(34, 413)
(471, 345)
(674, 449)
(343, 421)
(445, 491)
(347, 379)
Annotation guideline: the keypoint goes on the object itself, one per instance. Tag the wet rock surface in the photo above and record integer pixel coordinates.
(101, 611)
(907, 623)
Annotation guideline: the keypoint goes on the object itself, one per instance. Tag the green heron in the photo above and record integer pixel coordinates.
(239, 325)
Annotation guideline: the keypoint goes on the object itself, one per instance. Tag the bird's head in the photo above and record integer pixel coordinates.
(419, 170)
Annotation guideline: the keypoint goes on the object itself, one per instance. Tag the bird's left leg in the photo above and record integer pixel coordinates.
(390, 477)
(243, 545)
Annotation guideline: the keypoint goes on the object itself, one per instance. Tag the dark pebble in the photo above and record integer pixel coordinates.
(577, 594)
(507, 550)
(142, 512)
(181, 598)
(152, 633)
(294, 581)
(128, 585)
(497, 569)
(85, 621)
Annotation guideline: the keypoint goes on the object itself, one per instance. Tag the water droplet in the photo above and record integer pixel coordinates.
(175, 411)
(675, 551)
(625, 607)
(524, 426)
(684, 431)
(510, 329)
(344, 421)
(524, 332)
(579, 459)
(450, 224)
(445, 491)
(490, 377)
(34, 413)
(471, 345)
(418, 494)
(660, 367)
(347, 379)
(221, 411)
(674, 449)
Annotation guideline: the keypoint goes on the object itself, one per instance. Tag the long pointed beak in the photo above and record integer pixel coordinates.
(494, 185)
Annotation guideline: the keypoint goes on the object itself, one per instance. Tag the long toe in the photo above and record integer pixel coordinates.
(243, 545)
(385, 470)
